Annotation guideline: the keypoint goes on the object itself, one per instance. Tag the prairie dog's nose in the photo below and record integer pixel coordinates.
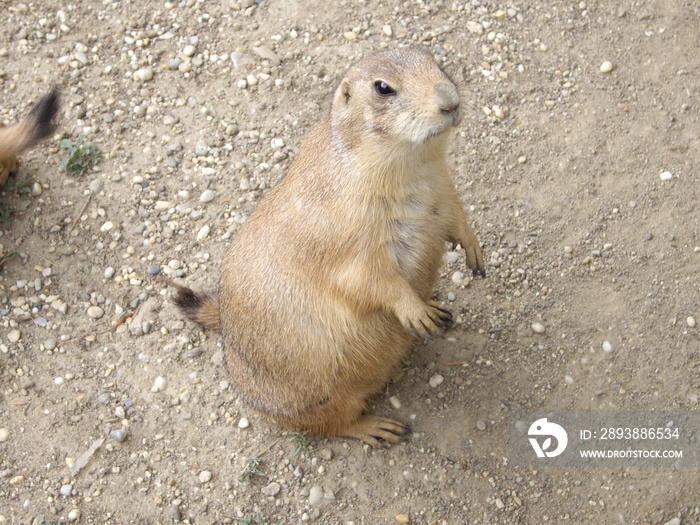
(448, 99)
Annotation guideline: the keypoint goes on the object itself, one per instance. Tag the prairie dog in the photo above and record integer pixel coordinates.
(325, 284)
(15, 139)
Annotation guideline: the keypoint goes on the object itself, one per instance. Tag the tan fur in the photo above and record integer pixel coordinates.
(15, 139)
(324, 284)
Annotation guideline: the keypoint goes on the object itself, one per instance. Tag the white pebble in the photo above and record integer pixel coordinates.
(243, 423)
(14, 335)
(607, 347)
(109, 272)
(387, 30)
(272, 489)
(74, 515)
(451, 257)
(4, 434)
(458, 278)
(315, 495)
(498, 112)
(159, 384)
(203, 233)
(606, 67)
(666, 175)
(205, 476)
(475, 27)
(395, 402)
(436, 380)
(189, 50)
(95, 312)
(58, 380)
(144, 74)
(538, 328)
(207, 196)
(691, 322)
(107, 226)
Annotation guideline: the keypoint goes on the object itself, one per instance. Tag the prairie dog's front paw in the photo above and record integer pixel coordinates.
(423, 320)
(475, 259)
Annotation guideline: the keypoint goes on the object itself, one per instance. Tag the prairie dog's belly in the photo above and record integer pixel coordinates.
(416, 237)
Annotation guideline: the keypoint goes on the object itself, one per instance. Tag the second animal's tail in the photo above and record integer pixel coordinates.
(199, 307)
(38, 124)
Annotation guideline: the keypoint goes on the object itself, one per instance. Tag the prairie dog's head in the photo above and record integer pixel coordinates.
(399, 96)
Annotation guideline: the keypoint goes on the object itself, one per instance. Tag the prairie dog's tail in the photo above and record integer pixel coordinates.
(201, 308)
(38, 124)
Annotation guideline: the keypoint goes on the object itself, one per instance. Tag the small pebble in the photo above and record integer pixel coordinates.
(50, 344)
(436, 380)
(666, 175)
(395, 402)
(315, 495)
(481, 425)
(14, 335)
(403, 518)
(607, 347)
(243, 423)
(159, 384)
(606, 67)
(538, 328)
(74, 515)
(451, 257)
(95, 312)
(153, 269)
(203, 232)
(326, 454)
(66, 490)
(95, 185)
(144, 74)
(272, 489)
(691, 322)
(201, 149)
(498, 112)
(207, 196)
(205, 476)
(458, 278)
(107, 226)
(118, 435)
(4, 434)
(499, 503)
(109, 272)
(189, 50)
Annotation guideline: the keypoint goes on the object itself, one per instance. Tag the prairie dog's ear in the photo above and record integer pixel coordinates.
(342, 94)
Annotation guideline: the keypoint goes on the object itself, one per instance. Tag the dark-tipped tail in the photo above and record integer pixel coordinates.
(38, 124)
(42, 116)
(201, 308)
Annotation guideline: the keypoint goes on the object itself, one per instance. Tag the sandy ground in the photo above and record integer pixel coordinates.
(199, 108)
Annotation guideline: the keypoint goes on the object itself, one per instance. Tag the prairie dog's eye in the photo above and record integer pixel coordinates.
(383, 89)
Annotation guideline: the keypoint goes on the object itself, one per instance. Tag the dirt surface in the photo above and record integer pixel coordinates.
(558, 162)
